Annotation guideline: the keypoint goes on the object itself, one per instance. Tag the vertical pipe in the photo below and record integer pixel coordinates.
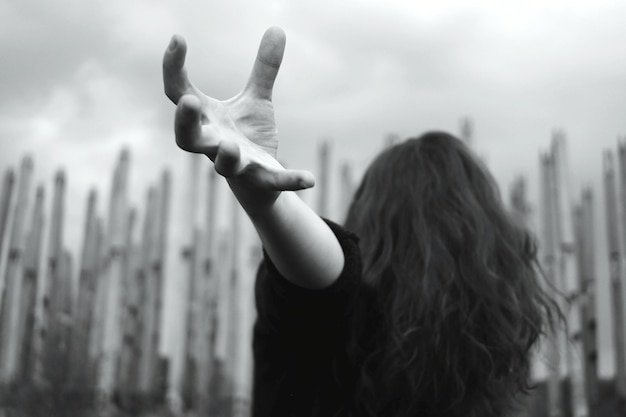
(467, 131)
(102, 285)
(591, 290)
(115, 256)
(193, 330)
(159, 256)
(577, 218)
(621, 372)
(615, 272)
(391, 139)
(53, 355)
(153, 281)
(248, 264)
(569, 276)
(146, 374)
(206, 325)
(128, 306)
(549, 242)
(323, 175)
(143, 300)
(519, 206)
(347, 189)
(84, 307)
(586, 238)
(130, 364)
(6, 197)
(63, 316)
(236, 311)
(99, 286)
(189, 306)
(10, 304)
(221, 383)
(154, 246)
(29, 288)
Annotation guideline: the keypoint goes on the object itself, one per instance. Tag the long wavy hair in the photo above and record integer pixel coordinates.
(455, 277)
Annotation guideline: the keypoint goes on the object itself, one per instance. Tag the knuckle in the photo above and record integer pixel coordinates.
(170, 94)
(183, 144)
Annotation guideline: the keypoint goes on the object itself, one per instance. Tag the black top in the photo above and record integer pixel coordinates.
(300, 337)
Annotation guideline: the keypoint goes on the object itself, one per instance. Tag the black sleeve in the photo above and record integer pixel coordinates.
(285, 307)
(297, 334)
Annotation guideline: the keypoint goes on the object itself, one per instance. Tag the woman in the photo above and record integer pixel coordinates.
(427, 303)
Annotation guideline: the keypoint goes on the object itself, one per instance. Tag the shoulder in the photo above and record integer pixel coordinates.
(279, 300)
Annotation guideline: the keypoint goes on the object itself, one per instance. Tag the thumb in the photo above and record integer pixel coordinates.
(292, 180)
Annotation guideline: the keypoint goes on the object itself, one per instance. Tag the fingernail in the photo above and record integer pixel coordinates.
(173, 43)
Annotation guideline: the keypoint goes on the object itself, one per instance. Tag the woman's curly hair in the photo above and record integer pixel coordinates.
(457, 282)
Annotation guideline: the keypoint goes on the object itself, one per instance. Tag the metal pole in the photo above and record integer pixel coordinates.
(86, 291)
(615, 274)
(29, 288)
(323, 175)
(549, 243)
(208, 303)
(148, 285)
(115, 260)
(53, 366)
(158, 268)
(586, 248)
(11, 293)
(568, 270)
(6, 198)
(347, 189)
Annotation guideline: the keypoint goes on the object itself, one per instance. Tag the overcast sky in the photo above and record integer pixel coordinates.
(80, 80)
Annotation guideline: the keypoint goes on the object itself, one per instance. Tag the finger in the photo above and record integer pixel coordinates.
(175, 80)
(228, 159)
(292, 180)
(187, 126)
(267, 63)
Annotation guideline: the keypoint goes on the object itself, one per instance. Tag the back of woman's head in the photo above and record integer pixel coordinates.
(457, 283)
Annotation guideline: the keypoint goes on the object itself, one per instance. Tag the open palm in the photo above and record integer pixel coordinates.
(239, 134)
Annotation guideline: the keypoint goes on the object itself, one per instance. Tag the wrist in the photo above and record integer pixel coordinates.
(254, 200)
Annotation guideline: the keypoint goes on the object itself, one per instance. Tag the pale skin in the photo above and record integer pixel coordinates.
(239, 135)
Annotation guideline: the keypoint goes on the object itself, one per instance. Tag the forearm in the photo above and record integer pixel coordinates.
(299, 243)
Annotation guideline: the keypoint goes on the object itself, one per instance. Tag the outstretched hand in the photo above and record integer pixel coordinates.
(239, 134)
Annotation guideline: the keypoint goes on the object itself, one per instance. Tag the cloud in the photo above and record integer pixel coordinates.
(43, 45)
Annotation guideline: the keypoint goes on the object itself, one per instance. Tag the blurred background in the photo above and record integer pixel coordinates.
(82, 105)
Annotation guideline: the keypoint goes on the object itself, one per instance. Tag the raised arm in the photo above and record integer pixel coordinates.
(239, 135)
